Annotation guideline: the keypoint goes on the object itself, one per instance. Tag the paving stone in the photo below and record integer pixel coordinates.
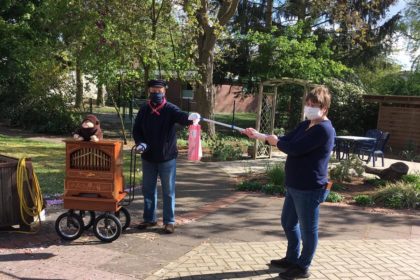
(338, 269)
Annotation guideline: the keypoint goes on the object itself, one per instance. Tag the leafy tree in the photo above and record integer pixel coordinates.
(17, 44)
(359, 29)
(293, 54)
(411, 29)
(354, 31)
(348, 112)
(210, 17)
(30, 72)
(384, 77)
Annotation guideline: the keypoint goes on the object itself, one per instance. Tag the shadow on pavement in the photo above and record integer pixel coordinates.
(12, 276)
(25, 257)
(231, 275)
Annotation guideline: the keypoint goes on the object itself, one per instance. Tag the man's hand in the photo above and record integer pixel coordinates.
(195, 117)
(141, 147)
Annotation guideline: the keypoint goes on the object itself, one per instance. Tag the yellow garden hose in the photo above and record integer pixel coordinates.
(34, 191)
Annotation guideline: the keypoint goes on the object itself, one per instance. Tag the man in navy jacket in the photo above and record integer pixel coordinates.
(155, 136)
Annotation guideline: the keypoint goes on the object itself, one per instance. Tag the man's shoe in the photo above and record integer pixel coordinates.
(169, 228)
(144, 225)
(295, 272)
(282, 263)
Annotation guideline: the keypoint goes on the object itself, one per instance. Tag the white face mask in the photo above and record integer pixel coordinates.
(312, 113)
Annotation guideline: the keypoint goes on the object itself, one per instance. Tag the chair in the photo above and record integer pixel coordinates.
(374, 149)
(341, 149)
(368, 145)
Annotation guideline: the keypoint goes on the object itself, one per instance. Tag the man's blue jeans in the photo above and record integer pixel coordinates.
(299, 219)
(167, 172)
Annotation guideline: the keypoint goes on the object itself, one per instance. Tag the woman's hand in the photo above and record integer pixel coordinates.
(272, 140)
(250, 132)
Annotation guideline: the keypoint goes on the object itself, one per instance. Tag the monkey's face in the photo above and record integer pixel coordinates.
(87, 124)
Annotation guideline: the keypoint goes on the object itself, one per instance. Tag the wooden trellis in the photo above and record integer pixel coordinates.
(266, 110)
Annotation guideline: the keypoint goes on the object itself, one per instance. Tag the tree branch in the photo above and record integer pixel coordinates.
(226, 11)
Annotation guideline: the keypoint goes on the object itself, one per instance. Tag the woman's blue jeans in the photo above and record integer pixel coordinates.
(167, 172)
(299, 219)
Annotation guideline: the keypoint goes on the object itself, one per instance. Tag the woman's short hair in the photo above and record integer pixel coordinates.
(319, 95)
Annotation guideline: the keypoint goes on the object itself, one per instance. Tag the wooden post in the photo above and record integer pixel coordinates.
(9, 197)
(273, 117)
(258, 121)
(305, 92)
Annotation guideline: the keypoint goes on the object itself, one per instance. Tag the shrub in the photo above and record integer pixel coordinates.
(47, 115)
(398, 195)
(363, 199)
(334, 197)
(376, 182)
(223, 150)
(276, 174)
(338, 187)
(273, 189)
(412, 179)
(279, 131)
(409, 152)
(347, 168)
(249, 186)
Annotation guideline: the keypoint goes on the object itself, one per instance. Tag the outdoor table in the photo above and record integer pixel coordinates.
(352, 143)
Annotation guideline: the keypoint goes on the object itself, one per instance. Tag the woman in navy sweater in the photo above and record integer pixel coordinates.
(308, 148)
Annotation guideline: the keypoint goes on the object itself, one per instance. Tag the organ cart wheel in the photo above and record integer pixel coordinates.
(88, 218)
(107, 227)
(69, 226)
(124, 216)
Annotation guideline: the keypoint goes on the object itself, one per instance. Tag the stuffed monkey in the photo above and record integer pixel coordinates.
(89, 130)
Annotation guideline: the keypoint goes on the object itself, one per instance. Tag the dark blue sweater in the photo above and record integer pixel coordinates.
(308, 152)
(158, 131)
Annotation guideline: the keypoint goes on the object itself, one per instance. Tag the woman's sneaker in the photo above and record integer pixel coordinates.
(295, 272)
(282, 263)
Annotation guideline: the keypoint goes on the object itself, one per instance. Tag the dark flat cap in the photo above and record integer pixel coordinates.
(157, 83)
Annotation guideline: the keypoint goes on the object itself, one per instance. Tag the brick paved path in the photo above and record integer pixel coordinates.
(341, 260)
(221, 234)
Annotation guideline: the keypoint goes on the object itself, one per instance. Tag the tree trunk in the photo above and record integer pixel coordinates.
(206, 40)
(100, 96)
(79, 87)
(117, 109)
(300, 6)
(205, 94)
(146, 79)
(393, 173)
(269, 15)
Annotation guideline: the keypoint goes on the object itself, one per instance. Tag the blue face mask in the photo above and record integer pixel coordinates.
(157, 98)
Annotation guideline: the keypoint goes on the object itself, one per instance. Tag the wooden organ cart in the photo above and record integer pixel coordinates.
(93, 182)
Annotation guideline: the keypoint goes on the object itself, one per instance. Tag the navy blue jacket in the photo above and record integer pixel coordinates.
(308, 152)
(158, 131)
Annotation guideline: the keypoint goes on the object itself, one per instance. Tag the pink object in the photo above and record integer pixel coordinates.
(194, 143)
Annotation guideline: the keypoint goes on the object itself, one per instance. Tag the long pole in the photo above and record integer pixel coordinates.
(223, 124)
(260, 136)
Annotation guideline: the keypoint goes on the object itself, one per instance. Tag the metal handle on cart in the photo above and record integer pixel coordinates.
(132, 180)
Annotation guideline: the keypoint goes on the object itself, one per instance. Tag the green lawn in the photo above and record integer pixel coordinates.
(48, 159)
(109, 110)
(243, 120)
